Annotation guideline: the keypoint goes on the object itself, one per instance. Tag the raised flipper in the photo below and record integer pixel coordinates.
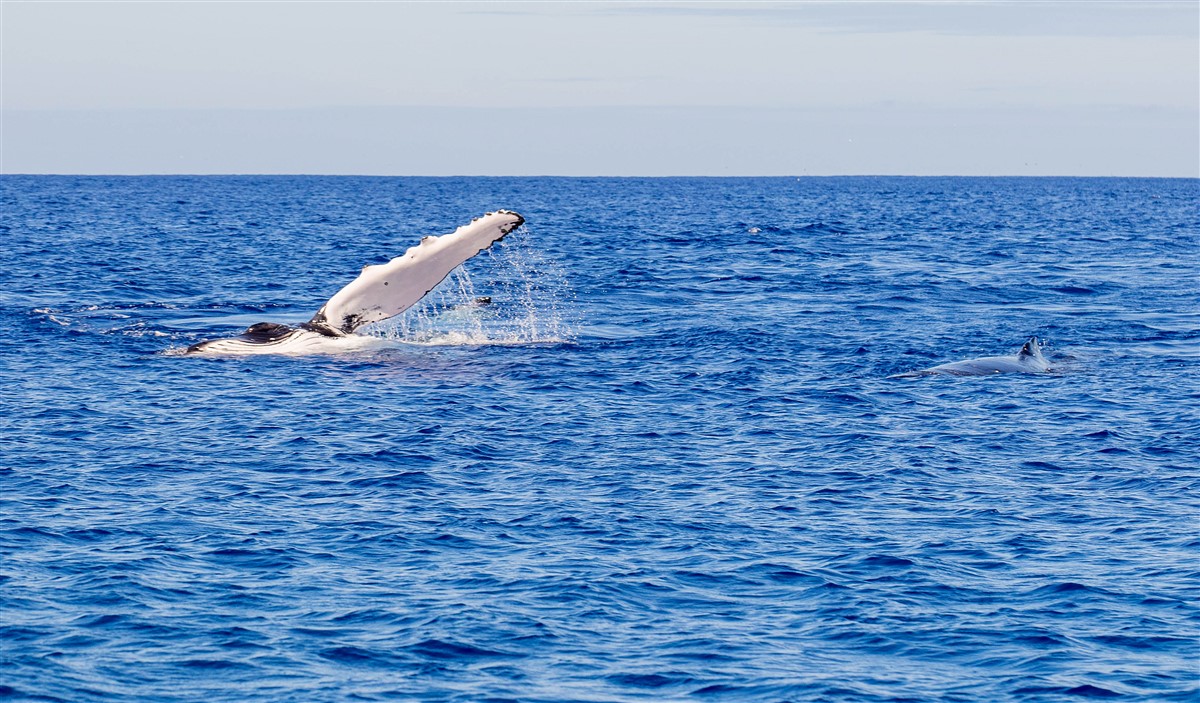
(378, 293)
(389, 289)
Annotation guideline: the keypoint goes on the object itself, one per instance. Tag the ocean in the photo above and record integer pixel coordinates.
(666, 463)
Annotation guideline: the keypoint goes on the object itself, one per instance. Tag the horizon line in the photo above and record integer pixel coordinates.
(592, 176)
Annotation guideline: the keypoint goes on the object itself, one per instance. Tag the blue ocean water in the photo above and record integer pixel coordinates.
(667, 463)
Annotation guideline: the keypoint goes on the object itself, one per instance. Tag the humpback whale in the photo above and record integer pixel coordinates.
(1028, 360)
(378, 293)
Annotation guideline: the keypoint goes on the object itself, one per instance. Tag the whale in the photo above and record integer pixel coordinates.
(1028, 360)
(378, 293)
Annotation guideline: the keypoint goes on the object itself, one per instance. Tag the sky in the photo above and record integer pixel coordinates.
(601, 88)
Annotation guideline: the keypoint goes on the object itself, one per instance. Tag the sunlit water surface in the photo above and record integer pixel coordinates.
(665, 463)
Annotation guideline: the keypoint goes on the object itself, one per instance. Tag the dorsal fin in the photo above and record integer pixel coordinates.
(1032, 348)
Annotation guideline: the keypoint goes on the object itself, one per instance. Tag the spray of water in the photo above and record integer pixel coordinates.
(515, 295)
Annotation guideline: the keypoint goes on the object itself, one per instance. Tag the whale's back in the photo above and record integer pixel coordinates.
(1028, 360)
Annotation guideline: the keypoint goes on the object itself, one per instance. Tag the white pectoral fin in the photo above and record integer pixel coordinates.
(389, 289)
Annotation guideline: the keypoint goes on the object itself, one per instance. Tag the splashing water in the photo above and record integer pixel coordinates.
(523, 297)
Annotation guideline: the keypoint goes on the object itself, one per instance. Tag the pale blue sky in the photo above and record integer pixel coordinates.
(634, 88)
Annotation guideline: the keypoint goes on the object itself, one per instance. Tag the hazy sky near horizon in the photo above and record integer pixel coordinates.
(601, 88)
